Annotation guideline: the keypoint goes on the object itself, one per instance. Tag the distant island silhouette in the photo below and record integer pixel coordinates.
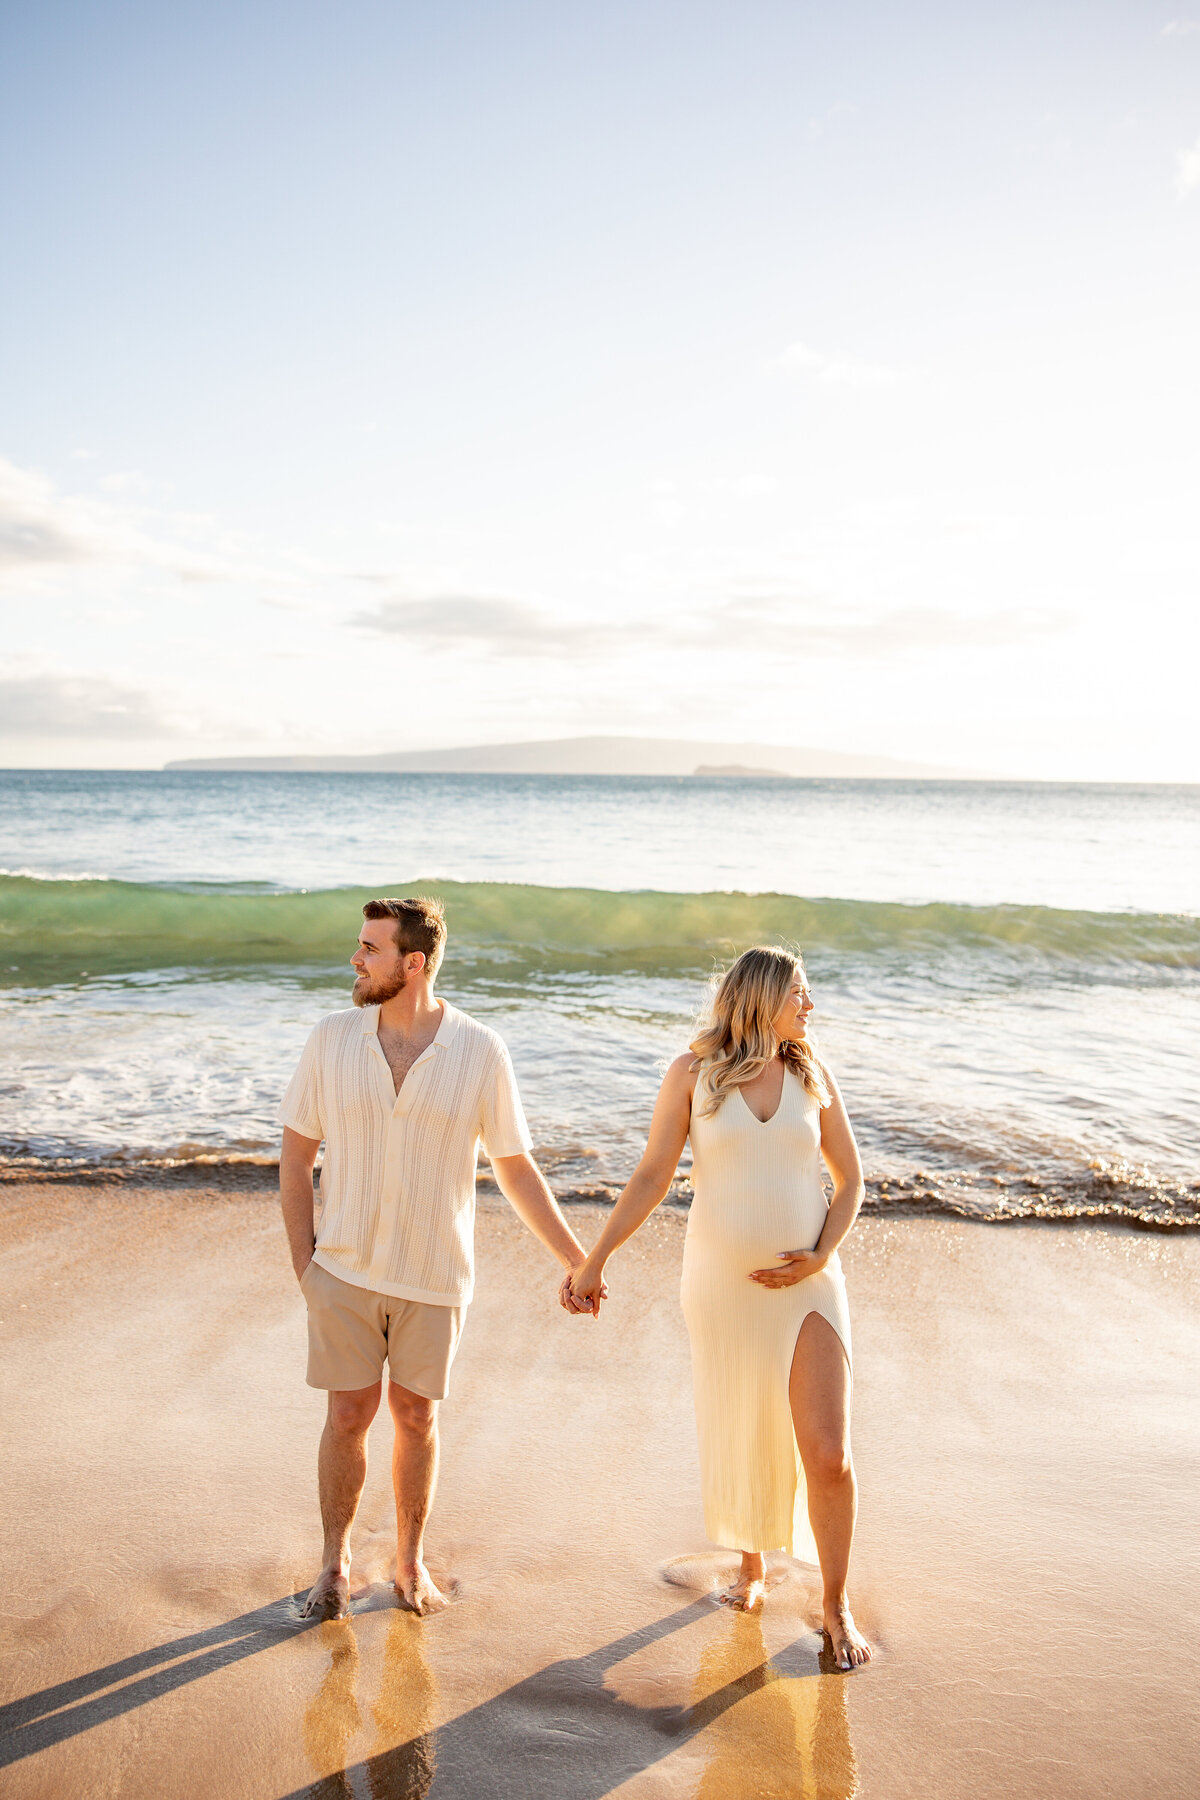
(741, 769)
(601, 756)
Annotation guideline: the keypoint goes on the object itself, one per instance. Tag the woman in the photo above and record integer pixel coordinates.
(763, 1292)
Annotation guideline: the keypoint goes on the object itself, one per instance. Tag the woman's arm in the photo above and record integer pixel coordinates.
(842, 1160)
(646, 1187)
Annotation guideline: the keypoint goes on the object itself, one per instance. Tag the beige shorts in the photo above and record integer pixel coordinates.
(353, 1331)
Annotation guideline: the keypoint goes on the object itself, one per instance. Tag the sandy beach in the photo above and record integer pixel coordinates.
(1028, 1448)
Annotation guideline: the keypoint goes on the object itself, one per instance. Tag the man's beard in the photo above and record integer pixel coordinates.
(367, 995)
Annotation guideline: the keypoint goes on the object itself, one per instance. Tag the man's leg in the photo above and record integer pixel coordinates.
(342, 1473)
(414, 1475)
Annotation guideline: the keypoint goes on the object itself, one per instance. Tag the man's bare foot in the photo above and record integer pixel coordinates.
(418, 1590)
(329, 1598)
(746, 1594)
(850, 1647)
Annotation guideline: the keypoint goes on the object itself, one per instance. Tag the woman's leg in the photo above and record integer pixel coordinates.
(820, 1396)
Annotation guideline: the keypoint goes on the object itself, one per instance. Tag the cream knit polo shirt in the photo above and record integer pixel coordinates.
(398, 1180)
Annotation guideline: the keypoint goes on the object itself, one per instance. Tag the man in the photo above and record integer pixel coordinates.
(401, 1088)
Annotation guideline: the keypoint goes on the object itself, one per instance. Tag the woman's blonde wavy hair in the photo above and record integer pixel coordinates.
(736, 1039)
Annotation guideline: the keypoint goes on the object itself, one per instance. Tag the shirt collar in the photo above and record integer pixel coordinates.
(451, 1019)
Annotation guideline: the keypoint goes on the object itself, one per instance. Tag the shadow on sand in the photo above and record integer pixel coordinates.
(558, 1732)
(63, 1711)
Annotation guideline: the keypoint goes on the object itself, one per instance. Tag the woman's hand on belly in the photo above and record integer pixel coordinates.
(791, 1266)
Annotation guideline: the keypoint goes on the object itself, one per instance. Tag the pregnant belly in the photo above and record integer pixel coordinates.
(751, 1228)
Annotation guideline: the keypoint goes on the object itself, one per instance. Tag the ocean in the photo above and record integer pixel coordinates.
(1005, 974)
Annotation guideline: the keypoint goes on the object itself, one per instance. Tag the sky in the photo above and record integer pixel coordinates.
(389, 376)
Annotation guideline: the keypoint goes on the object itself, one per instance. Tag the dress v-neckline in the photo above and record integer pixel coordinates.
(778, 1103)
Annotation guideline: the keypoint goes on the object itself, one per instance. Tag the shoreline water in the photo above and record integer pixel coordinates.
(892, 1199)
(997, 1061)
(1006, 996)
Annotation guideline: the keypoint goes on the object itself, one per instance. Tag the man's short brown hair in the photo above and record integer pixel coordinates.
(420, 925)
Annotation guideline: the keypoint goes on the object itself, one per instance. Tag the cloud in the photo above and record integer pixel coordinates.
(501, 627)
(42, 530)
(76, 706)
(790, 624)
(836, 371)
(31, 531)
(1187, 170)
(1180, 28)
(818, 629)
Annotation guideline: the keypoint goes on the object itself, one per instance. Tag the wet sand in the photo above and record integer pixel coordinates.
(1028, 1447)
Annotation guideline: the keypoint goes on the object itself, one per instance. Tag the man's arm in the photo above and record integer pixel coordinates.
(524, 1187)
(296, 1160)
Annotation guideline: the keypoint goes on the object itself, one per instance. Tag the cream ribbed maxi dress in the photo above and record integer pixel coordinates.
(756, 1190)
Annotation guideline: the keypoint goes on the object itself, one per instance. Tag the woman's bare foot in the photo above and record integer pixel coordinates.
(850, 1647)
(747, 1592)
(418, 1590)
(742, 1595)
(329, 1597)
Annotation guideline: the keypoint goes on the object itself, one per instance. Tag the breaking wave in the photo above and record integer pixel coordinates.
(53, 929)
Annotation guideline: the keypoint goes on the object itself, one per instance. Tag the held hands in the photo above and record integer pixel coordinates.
(582, 1290)
(794, 1265)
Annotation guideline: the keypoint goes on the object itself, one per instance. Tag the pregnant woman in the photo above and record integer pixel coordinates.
(763, 1292)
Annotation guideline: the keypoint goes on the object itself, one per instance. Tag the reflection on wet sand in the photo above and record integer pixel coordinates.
(793, 1731)
(784, 1717)
(401, 1767)
(332, 1719)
